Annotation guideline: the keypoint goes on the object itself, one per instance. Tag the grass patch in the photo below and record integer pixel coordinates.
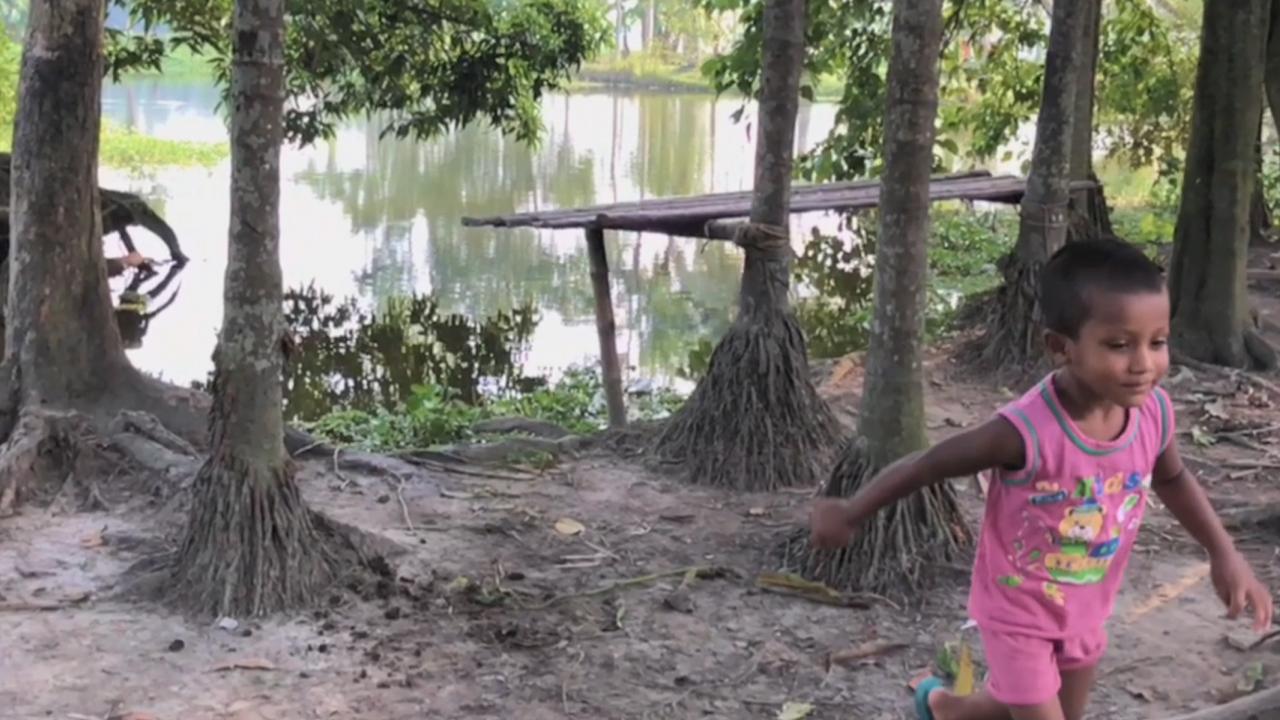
(125, 148)
(660, 72)
(431, 417)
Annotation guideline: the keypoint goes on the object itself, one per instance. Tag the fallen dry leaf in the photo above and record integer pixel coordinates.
(1217, 409)
(245, 664)
(568, 526)
(1139, 693)
(94, 540)
(865, 651)
(795, 711)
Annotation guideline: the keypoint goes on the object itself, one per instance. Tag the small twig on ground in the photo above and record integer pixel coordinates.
(404, 507)
(345, 480)
(465, 471)
(307, 448)
(702, 571)
(600, 549)
(45, 606)
(1180, 359)
(794, 586)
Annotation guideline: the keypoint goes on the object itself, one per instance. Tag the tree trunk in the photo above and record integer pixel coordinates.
(251, 546)
(1086, 80)
(1012, 340)
(62, 348)
(64, 343)
(890, 550)
(1259, 213)
(1271, 74)
(1262, 226)
(755, 420)
(1211, 318)
(1090, 217)
(646, 26)
(620, 27)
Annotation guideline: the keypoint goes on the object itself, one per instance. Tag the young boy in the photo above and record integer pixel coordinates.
(1072, 462)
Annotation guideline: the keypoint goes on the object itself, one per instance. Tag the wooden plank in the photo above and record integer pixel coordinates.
(688, 216)
(581, 217)
(606, 328)
(866, 196)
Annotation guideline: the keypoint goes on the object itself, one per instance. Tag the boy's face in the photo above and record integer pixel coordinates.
(1122, 350)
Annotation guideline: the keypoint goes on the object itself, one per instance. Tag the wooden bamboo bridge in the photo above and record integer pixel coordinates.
(716, 217)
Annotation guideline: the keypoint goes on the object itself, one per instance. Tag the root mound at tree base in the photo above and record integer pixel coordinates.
(252, 547)
(41, 455)
(755, 421)
(1009, 343)
(891, 551)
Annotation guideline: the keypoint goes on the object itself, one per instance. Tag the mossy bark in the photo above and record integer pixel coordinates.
(252, 546)
(891, 550)
(1211, 316)
(755, 421)
(1012, 341)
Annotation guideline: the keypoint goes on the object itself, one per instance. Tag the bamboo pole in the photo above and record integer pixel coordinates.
(610, 368)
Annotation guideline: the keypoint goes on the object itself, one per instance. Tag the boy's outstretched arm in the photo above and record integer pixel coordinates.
(1233, 579)
(995, 443)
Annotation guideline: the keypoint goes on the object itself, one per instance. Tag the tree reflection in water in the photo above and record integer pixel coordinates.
(348, 357)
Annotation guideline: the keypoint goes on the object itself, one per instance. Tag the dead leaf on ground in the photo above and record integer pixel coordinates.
(1251, 678)
(1217, 409)
(569, 526)
(864, 652)
(1202, 438)
(245, 664)
(1139, 693)
(94, 540)
(795, 710)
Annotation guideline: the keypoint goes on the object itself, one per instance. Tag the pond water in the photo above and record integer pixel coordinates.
(374, 220)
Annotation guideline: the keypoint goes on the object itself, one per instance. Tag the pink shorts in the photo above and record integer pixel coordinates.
(1025, 670)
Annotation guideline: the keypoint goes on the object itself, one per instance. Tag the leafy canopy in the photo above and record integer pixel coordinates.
(991, 72)
(428, 64)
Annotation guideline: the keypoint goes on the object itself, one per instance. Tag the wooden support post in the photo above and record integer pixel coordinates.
(610, 368)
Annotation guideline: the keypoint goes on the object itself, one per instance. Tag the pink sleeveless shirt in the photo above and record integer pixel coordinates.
(1057, 534)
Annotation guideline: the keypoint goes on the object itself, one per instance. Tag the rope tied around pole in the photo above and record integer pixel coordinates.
(1043, 215)
(764, 241)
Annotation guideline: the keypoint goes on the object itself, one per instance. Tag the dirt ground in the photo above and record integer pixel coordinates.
(495, 608)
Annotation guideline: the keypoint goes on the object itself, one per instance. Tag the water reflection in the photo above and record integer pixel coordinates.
(352, 358)
(379, 219)
(138, 303)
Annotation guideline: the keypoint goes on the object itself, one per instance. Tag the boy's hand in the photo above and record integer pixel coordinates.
(1239, 588)
(831, 524)
(136, 259)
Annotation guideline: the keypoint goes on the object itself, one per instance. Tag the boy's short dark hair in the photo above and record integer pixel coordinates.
(1107, 264)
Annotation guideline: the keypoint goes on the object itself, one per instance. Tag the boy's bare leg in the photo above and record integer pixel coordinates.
(1070, 704)
(1074, 694)
(978, 706)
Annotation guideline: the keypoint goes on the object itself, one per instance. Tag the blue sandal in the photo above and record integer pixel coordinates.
(926, 688)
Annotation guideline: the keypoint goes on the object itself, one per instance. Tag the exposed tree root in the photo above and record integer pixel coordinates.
(40, 456)
(1011, 344)
(1261, 352)
(755, 422)
(251, 546)
(1010, 341)
(892, 551)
